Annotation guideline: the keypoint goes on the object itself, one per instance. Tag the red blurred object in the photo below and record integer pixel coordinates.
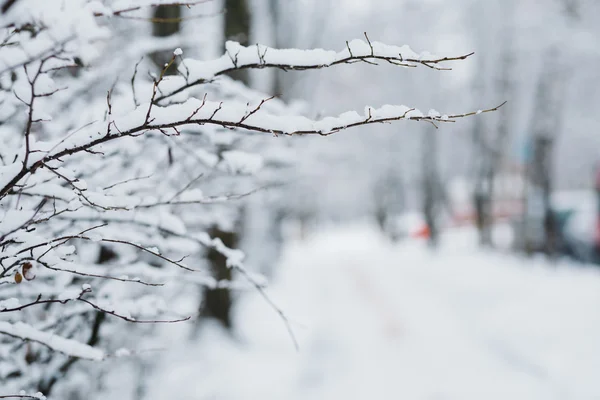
(422, 233)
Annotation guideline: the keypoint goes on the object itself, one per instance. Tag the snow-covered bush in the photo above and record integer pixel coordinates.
(101, 213)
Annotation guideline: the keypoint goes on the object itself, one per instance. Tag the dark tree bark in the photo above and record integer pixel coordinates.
(431, 185)
(545, 127)
(216, 303)
(237, 28)
(489, 150)
(281, 39)
(166, 22)
(286, 31)
(388, 201)
(544, 146)
(47, 384)
(7, 5)
(482, 199)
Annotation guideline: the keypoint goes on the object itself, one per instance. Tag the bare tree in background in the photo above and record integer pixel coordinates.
(216, 302)
(237, 28)
(166, 21)
(431, 190)
(544, 128)
(489, 143)
(572, 8)
(388, 200)
(281, 39)
(288, 31)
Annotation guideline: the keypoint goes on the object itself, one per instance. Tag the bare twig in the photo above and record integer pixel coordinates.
(271, 303)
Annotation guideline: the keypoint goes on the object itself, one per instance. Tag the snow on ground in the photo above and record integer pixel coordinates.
(394, 321)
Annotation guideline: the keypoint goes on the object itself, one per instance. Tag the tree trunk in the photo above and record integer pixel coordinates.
(217, 302)
(544, 128)
(543, 149)
(46, 384)
(431, 185)
(483, 204)
(237, 29)
(490, 150)
(166, 21)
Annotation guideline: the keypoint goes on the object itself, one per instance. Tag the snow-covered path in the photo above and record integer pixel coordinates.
(384, 321)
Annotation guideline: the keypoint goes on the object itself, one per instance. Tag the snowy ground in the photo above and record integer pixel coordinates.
(382, 321)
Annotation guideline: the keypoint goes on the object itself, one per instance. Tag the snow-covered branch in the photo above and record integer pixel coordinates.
(114, 184)
(227, 115)
(238, 57)
(35, 396)
(69, 347)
